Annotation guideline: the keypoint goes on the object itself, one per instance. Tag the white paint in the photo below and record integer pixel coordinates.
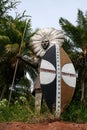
(70, 76)
(46, 74)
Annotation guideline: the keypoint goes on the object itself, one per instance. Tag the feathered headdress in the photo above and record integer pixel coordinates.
(53, 36)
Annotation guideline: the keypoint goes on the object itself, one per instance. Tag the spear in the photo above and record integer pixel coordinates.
(16, 66)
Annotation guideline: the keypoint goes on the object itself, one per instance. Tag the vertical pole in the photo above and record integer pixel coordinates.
(58, 82)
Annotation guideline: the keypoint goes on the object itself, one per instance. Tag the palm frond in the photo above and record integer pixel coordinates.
(12, 48)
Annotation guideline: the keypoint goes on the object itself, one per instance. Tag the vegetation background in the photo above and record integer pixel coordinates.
(16, 100)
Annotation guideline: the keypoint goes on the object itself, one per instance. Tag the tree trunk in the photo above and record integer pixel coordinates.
(83, 88)
(3, 92)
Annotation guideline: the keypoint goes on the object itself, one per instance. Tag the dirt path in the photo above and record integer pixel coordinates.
(42, 126)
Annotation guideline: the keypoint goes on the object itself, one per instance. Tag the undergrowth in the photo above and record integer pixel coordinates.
(18, 111)
(24, 111)
(76, 112)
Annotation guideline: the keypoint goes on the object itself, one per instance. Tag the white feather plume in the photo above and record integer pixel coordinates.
(53, 35)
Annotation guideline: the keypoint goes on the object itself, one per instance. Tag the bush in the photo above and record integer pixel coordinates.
(18, 111)
(76, 112)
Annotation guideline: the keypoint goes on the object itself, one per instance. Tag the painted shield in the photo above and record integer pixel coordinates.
(57, 78)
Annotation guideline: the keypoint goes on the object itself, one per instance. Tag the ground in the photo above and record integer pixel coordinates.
(57, 125)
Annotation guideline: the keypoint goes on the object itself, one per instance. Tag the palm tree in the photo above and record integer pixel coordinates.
(76, 46)
(11, 40)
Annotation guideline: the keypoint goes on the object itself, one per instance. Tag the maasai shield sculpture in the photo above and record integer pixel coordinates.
(57, 78)
(57, 74)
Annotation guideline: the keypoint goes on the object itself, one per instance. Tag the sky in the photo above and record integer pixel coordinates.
(46, 13)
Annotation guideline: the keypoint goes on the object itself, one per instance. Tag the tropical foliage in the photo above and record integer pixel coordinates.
(14, 39)
(76, 46)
